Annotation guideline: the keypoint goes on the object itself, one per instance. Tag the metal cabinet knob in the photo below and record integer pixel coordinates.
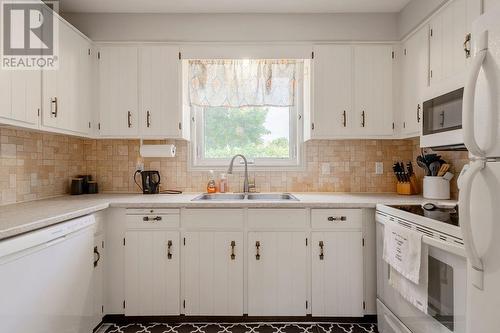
(169, 249)
(321, 253)
(257, 248)
(233, 245)
(337, 218)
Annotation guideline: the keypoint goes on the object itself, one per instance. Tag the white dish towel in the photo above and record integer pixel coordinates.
(408, 260)
(403, 250)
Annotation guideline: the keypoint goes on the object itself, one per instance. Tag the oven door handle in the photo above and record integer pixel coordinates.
(465, 185)
(392, 324)
(469, 97)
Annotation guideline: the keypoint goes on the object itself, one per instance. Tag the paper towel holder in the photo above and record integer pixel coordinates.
(157, 150)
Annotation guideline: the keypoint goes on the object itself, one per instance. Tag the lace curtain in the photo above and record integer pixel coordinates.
(240, 82)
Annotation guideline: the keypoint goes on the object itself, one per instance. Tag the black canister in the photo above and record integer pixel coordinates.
(92, 187)
(76, 186)
(86, 179)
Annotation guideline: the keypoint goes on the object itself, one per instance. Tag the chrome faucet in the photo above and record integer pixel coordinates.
(230, 171)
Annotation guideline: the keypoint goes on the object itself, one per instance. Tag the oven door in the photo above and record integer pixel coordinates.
(446, 290)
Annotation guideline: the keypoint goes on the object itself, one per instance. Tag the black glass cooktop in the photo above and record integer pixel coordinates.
(447, 215)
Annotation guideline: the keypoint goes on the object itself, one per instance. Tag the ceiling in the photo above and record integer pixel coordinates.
(232, 6)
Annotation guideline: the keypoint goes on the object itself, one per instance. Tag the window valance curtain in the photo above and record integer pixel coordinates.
(241, 82)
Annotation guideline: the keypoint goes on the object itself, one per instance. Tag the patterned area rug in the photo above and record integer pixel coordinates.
(239, 328)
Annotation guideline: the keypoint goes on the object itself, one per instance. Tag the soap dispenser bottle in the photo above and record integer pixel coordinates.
(211, 187)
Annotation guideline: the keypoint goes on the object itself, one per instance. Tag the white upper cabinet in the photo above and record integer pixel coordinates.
(332, 91)
(448, 30)
(118, 102)
(352, 92)
(20, 102)
(415, 79)
(62, 92)
(160, 92)
(372, 113)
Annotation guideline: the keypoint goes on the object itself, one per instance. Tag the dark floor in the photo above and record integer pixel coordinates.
(242, 328)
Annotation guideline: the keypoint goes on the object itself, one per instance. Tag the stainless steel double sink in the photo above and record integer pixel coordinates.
(249, 196)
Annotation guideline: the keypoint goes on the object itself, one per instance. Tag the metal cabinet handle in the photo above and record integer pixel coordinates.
(148, 118)
(151, 219)
(467, 45)
(53, 106)
(418, 113)
(96, 252)
(129, 119)
(337, 218)
(169, 249)
(257, 247)
(233, 245)
(321, 253)
(442, 119)
(344, 119)
(363, 119)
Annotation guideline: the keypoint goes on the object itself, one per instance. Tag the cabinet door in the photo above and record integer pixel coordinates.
(86, 83)
(415, 79)
(373, 90)
(60, 87)
(213, 277)
(5, 94)
(447, 34)
(98, 279)
(152, 276)
(161, 113)
(118, 101)
(337, 274)
(332, 89)
(277, 273)
(26, 100)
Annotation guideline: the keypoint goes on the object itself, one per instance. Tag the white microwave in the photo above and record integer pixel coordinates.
(442, 122)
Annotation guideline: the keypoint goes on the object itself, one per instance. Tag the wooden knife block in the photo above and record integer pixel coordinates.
(409, 188)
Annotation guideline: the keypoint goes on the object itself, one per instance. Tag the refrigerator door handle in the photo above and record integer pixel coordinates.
(465, 185)
(469, 97)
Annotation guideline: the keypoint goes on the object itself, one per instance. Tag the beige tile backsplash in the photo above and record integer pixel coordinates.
(36, 165)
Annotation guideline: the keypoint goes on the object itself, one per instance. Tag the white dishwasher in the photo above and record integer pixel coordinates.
(46, 279)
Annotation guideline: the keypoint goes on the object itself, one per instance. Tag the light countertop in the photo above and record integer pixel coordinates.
(19, 218)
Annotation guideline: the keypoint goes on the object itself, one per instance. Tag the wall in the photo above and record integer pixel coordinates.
(236, 27)
(457, 159)
(36, 165)
(352, 164)
(416, 12)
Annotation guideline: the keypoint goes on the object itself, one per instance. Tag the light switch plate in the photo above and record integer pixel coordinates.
(325, 168)
(379, 168)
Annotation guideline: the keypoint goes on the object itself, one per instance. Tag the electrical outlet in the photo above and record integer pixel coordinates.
(325, 168)
(379, 168)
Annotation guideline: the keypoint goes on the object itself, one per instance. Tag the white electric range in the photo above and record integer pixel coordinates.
(447, 272)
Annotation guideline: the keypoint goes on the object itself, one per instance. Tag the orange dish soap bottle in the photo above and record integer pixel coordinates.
(211, 187)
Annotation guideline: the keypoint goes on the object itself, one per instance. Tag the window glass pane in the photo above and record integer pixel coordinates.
(256, 132)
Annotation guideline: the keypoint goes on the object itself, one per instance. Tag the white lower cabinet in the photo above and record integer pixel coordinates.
(213, 273)
(152, 273)
(98, 279)
(277, 273)
(337, 274)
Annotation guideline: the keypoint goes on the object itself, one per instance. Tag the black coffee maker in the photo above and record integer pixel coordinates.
(150, 181)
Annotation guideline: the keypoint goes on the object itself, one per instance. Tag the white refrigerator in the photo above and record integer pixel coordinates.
(479, 182)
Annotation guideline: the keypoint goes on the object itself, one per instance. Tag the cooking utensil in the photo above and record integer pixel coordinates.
(444, 168)
(434, 168)
(448, 176)
(421, 163)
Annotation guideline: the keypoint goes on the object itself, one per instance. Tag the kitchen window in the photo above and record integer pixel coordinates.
(250, 107)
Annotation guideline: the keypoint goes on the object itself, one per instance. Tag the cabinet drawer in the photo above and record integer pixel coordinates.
(277, 218)
(153, 221)
(213, 218)
(337, 219)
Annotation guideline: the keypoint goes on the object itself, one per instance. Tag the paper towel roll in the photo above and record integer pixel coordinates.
(157, 150)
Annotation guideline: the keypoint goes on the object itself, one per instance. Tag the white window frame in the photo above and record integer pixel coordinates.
(196, 161)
